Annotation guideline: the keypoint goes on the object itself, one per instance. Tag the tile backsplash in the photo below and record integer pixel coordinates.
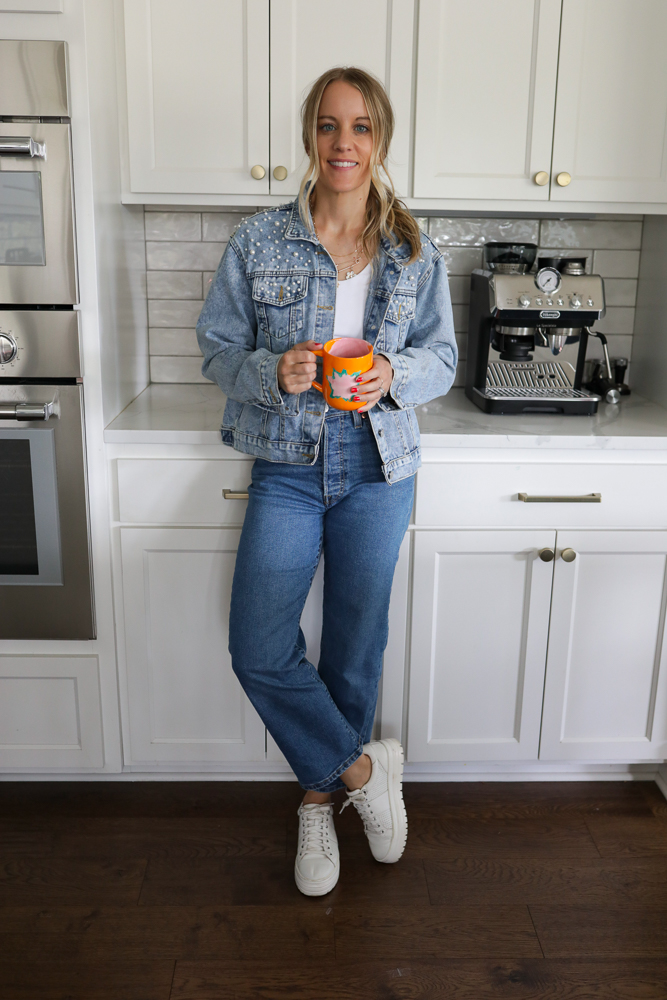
(183, 248)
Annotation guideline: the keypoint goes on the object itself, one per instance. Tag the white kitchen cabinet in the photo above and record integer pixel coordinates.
(197, 96)
(50, 712)
(185, 704)
(480, 624)
(306, 40)
(606, 685)
(486, 87)
(611, 113)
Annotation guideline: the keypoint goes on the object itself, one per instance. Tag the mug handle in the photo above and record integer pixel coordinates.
(316, 385)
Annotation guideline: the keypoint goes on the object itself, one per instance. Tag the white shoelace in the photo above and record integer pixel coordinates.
(315, 832)
(363, 807)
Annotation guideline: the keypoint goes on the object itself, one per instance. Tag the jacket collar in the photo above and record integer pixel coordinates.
(296, 230)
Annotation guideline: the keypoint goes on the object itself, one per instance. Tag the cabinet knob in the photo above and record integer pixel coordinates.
(568, 555)
(546, 555)
(258, 172)
(280, 173)
(541, 178)
(563, 179)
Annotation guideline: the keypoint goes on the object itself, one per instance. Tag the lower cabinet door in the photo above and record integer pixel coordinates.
(185, 704)
(606, 689)
(480, 622)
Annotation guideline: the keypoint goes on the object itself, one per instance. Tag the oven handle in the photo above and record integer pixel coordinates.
(25, 411)
(13, 145)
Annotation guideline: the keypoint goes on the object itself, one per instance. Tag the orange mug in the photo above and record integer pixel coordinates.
(343, 361)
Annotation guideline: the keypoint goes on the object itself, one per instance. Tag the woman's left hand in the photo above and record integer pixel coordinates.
(374, 383)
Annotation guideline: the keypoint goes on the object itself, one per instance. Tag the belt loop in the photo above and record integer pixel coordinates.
(357, 419)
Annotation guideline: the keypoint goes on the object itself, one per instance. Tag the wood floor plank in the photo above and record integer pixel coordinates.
(20, 838)
(485, 979)
(657, 802)
(624, 836)
(64, 880)
(530, 838)
(97, 980)
(601, 881)
(250, 933)
(157, 837)
(434, 932)
(488, 800)
(587, 931)
(242, 799)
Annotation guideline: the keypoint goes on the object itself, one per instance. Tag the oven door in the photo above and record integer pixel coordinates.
(37, 250)
(45, 578)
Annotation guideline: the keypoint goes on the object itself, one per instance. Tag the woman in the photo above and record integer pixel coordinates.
(344, 259)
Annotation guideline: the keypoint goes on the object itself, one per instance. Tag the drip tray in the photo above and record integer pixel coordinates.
(531, 380)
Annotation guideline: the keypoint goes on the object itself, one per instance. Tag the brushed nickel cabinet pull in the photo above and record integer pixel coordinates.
(234, 495)
(568, 555)
(586, 498)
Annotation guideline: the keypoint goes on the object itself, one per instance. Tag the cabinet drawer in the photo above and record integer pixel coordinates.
(486, 494)
(181, 491)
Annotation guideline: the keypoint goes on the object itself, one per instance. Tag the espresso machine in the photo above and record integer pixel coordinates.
(528, 332)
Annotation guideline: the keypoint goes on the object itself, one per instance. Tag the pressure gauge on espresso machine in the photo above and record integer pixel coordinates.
(547, 280)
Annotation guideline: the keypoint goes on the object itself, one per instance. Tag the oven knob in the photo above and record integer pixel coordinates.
(8, 348)
(524, 301)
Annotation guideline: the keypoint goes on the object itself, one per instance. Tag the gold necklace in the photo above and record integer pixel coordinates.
(350, 260)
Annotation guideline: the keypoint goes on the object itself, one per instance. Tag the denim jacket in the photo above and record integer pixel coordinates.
(276, 287)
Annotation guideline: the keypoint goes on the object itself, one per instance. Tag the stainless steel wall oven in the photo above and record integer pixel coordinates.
(45, 569)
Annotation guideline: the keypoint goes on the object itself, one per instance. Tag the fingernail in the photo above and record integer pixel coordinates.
(355, 399)
(359, 378)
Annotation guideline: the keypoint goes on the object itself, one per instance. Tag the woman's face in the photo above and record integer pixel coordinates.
(344, 140)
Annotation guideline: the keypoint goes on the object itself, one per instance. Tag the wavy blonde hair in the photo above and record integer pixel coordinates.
(386, 215)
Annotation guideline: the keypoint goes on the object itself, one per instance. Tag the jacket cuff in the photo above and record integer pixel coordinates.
(268, 376)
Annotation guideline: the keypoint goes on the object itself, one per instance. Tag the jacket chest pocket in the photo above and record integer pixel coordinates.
(279, 303)
(400, 311)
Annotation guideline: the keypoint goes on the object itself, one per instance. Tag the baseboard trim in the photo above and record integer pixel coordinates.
(273, 771)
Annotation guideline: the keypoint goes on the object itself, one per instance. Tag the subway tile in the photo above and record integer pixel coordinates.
(172, 369)
(179, 343)
(174, 284)
(477, 232)
(591, 233)
(171, 313)
(183, 256)
(173, 225)
(462, 344)
(207, 277)
(461, 260)
(617, 320)
(459, 289)
(422, 221)
(620, 292)
(460, 314)
(616, 263)
(220, 225)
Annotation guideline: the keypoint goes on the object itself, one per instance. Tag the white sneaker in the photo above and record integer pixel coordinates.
(380, 801)
(317, 864)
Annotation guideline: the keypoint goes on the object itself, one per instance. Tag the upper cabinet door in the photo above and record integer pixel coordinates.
(309, 38)
(611, 111)
(198, 95)
(486, 84)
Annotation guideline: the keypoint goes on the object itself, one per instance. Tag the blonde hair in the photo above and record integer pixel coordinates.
(386, 215)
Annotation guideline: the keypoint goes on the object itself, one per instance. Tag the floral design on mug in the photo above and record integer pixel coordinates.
(342, 385)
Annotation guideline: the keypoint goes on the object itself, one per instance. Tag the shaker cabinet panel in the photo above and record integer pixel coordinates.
(606, 689)
(185, 704)
(306, 40)
(611, 113)
(480, 620)
(197, 95)
(486, 85)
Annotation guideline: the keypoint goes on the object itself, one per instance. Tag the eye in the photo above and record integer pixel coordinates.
(364, 128)
(326, 126)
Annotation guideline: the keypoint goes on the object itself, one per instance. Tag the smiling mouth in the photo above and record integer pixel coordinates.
(343, 164)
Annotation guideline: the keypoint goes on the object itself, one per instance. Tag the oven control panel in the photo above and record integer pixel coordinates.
(39, 343)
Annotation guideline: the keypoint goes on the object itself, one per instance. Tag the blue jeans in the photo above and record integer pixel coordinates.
(343, 507)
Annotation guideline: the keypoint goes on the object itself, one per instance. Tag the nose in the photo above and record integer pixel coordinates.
(344, 140)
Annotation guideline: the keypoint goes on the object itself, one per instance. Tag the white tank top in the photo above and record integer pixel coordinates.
(351, 303)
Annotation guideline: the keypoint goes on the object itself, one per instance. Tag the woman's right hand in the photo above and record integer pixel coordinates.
(297, 367)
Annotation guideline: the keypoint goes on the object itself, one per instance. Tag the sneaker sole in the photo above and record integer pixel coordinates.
(310, 888)
(399, 816)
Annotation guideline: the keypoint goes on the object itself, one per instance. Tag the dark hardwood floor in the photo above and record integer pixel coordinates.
(185, 891)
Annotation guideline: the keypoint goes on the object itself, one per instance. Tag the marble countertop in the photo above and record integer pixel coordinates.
(192, 414)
